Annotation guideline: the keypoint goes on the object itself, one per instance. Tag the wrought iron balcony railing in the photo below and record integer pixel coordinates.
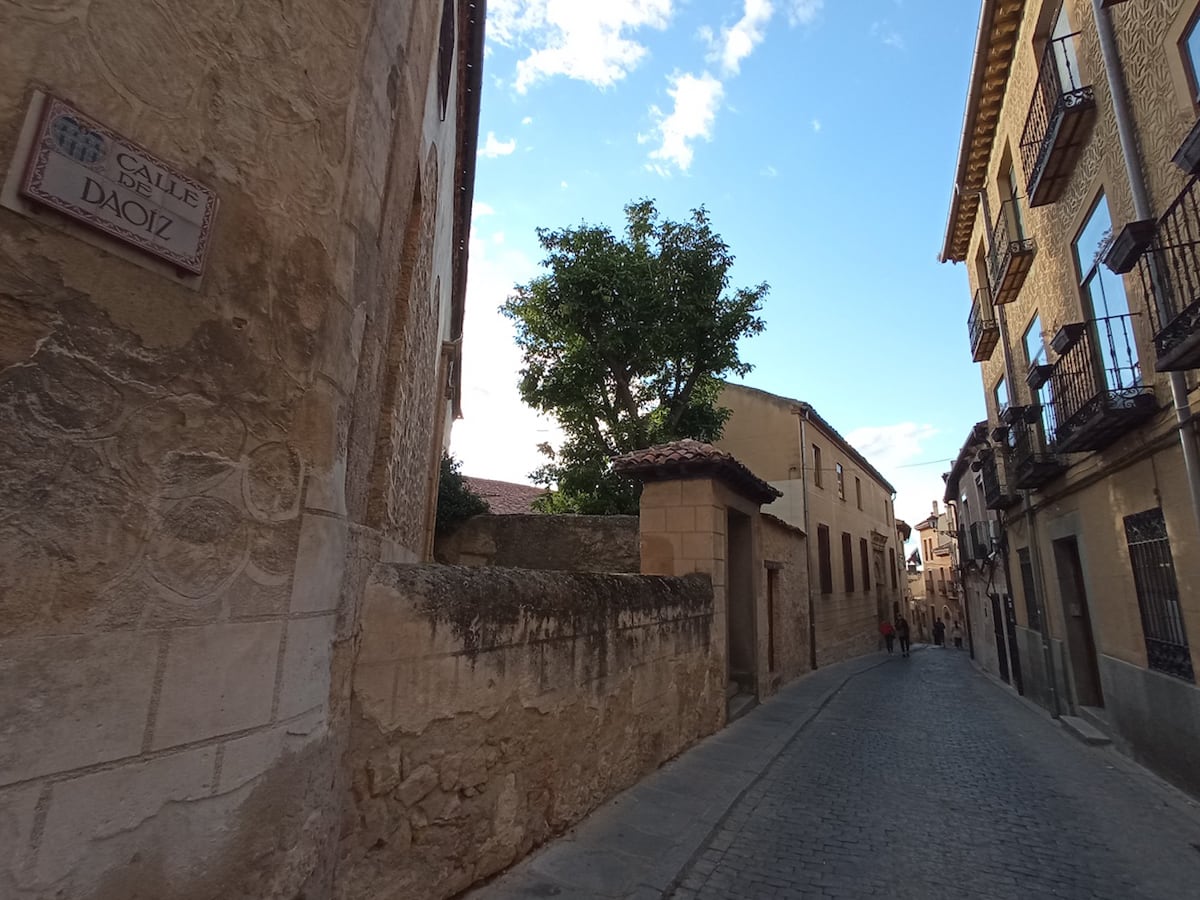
(1170, 270)
(993, 467)
(982, 326)
(1097, 388)
(1034, 465)
(1011, 254)
(1056, 127)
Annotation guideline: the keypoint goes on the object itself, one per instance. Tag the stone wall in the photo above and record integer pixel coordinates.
(785, 556)
(562, 543)
(192, 491)
(495, 707)
(846, 628)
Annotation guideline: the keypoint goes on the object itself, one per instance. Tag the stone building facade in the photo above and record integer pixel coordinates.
(1074, 209)
(199, 466)
(941, 594)
(981, 565)
(842, 504)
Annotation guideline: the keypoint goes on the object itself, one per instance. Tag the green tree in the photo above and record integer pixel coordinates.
(625, 341)
(456, 501)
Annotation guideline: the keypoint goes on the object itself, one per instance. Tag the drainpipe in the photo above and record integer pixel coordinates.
(802, 418)
(1039, 577)
(1143, 210)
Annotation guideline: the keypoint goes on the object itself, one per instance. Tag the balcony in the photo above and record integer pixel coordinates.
(1011, 254)
(982, 326)
(1033, 465)
(1170, 270)
(996, 493)
(1060, 115)
(1096, 386)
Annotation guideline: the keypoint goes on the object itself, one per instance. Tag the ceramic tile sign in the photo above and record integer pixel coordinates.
(84, 170)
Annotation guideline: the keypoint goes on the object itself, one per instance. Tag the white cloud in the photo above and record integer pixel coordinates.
(481, 209)
(498, 434)
(738, 41)
(816, 125)
(563, 185)
(493, 147)
(804, 12)
(697, 99)
(587, 41)
(899, 453)
(769, 172)
(887, 35)
(528, 120)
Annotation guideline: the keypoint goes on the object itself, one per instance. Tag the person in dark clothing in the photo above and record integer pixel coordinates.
(939, 633)
(902, 633)
(889, 634)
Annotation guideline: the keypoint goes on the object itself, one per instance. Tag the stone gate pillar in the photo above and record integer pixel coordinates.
(700, 512)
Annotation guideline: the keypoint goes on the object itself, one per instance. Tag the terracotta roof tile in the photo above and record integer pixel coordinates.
(693, 459)
(505, 497)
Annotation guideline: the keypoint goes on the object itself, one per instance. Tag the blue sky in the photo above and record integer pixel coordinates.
(821, 135)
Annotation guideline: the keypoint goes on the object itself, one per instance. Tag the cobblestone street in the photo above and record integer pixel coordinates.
(919, 779)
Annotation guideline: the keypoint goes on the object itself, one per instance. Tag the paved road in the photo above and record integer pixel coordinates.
(920, 779)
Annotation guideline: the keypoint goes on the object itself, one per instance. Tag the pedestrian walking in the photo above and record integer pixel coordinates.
(939, 633)
(956, 633)
(889, 634)
(903, 634)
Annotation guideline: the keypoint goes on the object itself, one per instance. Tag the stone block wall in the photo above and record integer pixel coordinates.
(560, 543)
(846, 628)
(185, 468)
(785, 555)
(493, 708)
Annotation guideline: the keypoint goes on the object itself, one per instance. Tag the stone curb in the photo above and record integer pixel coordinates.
(640, 844)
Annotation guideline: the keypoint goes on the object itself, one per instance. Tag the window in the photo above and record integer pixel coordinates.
(1035, 355)
(892, 565)
(445, 54)
(1158, 594)
(858, 491)
(864, 553)
(848, 561)
(1000, 392)
(1190, 47)
(841, 481)
(1032, 610)
(1010, 200)
(816, 465)
(823, 560)
(1035, 345)
(1104, 298)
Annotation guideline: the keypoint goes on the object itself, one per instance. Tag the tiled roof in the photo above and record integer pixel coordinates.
(693, 459)
(505, 497)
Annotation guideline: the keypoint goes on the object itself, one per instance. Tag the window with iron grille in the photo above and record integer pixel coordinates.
(848, 561)
(823, 560)
(1158, 594)
(841, 480)
(1032, 610)
(865, 554)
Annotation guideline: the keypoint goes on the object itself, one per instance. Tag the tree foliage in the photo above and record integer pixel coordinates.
(625, 340)
(456, 501)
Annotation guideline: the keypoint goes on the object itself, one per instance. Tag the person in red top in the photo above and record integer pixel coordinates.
(888, 632)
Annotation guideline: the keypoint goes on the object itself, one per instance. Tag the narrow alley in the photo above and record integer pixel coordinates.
(912, 778)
